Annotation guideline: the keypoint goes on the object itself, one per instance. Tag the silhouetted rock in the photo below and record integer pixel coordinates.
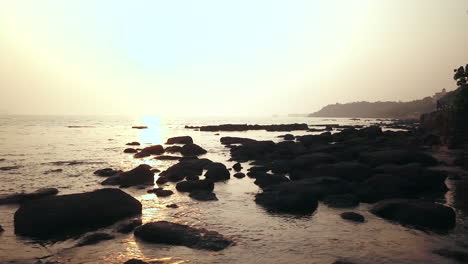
(172, 206)
(180, 140)
(265, 179)
(288, 137)
(190, 186)
(245, 127)
(134, 143)
(311, 160)
(217, 172)
(7, 168)
(94, 238)
(235, 140)
(129, 226)
(185, 168)
(23, 197)
(135, 261)
(160, 192)
(152, 150)
(71, 213)
(352, 216)
(167, 157)
(460, 256)
(192, 150)
(173, 149)
(130, 150)
(107, 172)
(239, 175)
(203, 196)
(237, 167)
(176, 234)
(140, 127)
(162, 180)
(138, 176)
(397, 156)
(351, 171)
(341, 200)
(192, 178)
(416, 213)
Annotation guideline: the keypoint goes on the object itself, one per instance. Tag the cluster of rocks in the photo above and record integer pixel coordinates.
(346, 168)
(245, 127)
(188, 149)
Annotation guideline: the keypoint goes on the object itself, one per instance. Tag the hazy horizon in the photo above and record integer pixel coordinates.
(212, 58)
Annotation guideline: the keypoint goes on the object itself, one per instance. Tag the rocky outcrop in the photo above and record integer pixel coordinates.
(181, 235)
(417, 213)
(179, 140)
(23, 197)
(67, 214)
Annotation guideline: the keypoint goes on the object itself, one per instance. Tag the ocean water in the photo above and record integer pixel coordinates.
(79, 145)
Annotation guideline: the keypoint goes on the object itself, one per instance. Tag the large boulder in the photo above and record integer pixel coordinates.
(417, 213)
(138, 176)
(179, 140)
(217, 172)
(181, 235)
(397, 156)
(23, 197)
(192, 150)
(71, 213)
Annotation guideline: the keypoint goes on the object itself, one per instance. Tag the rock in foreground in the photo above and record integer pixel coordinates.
(417, 213)
(181, 235)
(73, 213)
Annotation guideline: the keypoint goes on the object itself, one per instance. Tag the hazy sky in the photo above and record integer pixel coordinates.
(215, 57)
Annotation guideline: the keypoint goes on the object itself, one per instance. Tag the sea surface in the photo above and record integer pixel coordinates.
(79, 145)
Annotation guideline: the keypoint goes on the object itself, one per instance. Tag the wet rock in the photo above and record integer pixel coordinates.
(237, 167)
(417, 213)
(460, 256)
(65, 214)
(254, 150)
(350, 171)
(152, 150)
(180, 140)
(162, 180)
(129, 226)
(352, 216)
(154, 170)
(203, 196)
(239, 175)
(235, 140)
(265, 179)
(185, 168)
(190, 186)
(341, 200)
(192, 150)
(172, 206)
(134, 143)
(23, 197)
(95, 238)
(397, 156)
(176, 234)
(135, 261)
(160, 192)
(140, 175)
(130, 150)
(140, 127)
(173, 149)
(167, 157)
(257, 171)
(217, 172)
(107, 172)
(287, 202)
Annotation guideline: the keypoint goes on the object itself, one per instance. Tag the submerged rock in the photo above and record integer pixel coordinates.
(95, 238)
(176, 234)
(180, 140)
(417, 213)
(64, 214)
(134, 143)
(160, 192)
(203, 196)
(129, 226)
(130, 150)
(237, 167)
(140, 127)
(239, 175)
(352, 216)
(190, 186)
(23, 197)
(192, 150)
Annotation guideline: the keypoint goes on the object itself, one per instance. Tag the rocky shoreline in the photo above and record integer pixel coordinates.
(392, 170)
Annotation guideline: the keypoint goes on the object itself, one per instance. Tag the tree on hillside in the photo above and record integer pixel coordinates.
(461, 100)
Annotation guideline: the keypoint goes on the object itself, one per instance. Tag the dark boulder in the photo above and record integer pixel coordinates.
(417, 213)
(162, 180)
(264, 180)
(137, 176)
(160, 192)
(176, 234)
(173, 149)
(289, 137)
(135, 261)
(237, 167)
(151, 150)
(192, 178)
(341, 200)
(190, 186)
(371, 132)
(239, 175)
(203, 196)
(23, 197)
(397, 156)
(217, 172)
(180, 140)
(192, 150)
(185, 168)
(94, 238)
(352, 216)
(129, 226)
(348, 170)
(134, 143)
(107, 172)
(130, 150)
(71, 213)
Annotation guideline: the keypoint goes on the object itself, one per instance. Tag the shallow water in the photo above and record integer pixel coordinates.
(39, 144)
